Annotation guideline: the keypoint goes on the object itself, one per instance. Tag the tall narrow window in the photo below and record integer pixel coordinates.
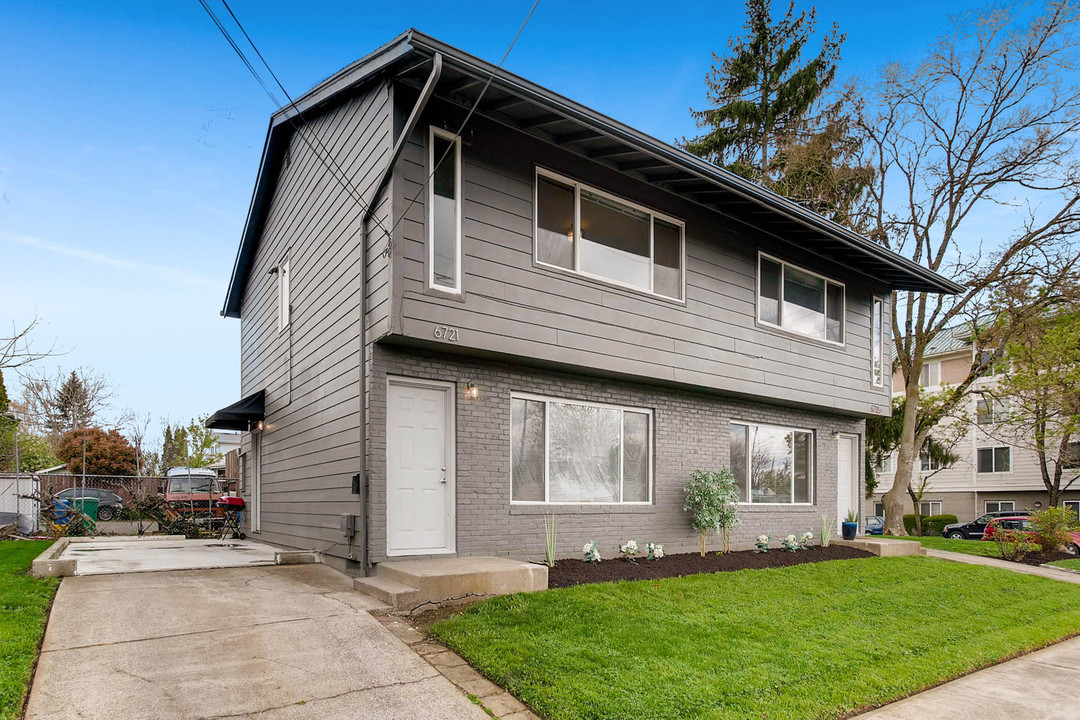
(800, 301)
(444, 211)
(284, 300)
(877, 343)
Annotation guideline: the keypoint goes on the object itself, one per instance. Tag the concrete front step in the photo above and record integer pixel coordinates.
(883, 546)
(409, 585)
(395, 594)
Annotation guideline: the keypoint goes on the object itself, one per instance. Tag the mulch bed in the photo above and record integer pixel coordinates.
(568, 573)
(1040, 559)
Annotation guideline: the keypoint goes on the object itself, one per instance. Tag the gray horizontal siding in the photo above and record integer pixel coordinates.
(311, 447)
(512, 306)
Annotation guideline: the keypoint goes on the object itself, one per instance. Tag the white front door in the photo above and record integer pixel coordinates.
(847, 476)
(419, 468)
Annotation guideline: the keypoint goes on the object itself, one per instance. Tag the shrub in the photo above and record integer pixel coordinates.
(1050, 528)
(711, 500)
(1011, 544)
(935, 524)
(909, 523)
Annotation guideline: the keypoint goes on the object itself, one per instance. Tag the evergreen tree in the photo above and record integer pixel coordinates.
(762, 93)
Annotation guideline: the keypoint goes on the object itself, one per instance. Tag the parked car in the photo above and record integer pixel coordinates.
(974, 530)
(1022, 523)
(109, 503)
(192, 490)
(874, 524)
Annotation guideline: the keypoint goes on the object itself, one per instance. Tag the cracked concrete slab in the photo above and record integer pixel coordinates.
(287, 642)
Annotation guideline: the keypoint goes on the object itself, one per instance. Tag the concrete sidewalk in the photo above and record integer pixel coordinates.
(274, 643)
(1046, 572)
(1040, 686)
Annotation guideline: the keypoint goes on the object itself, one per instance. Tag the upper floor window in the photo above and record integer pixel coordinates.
(886, 465)
(877, 343)
(995, 459)
(773, 465)
(800, 301)
(584, 230)
(930, 375)
(565, 451)
(284, 299)
(928, 462)
(990, 411)
(444, 211)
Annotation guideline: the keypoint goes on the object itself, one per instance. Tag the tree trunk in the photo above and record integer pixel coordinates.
(906, 454)
(703, 542)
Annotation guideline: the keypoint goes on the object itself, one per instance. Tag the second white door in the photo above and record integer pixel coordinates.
(419, 468)
(847, 474)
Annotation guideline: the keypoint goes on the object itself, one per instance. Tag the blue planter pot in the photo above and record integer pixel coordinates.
(848, 530)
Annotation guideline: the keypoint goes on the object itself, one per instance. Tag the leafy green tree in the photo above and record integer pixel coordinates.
(762, 91)
(107, 453)
(1039, 384)
(192, 445)
(712, 501)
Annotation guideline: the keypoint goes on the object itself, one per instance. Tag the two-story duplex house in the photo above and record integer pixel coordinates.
(446, 339)
(995, 470)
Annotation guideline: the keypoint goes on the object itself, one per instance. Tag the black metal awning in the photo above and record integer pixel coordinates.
(240, 415)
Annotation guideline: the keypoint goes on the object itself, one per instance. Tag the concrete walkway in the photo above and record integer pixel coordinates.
(1039, 686)
(273, 643)
(1046, 572)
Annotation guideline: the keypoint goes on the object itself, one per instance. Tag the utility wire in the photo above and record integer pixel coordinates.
(325, 157)
(468, 116)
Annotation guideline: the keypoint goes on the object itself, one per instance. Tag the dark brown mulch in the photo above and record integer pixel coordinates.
(568, 573)
(1039, 559)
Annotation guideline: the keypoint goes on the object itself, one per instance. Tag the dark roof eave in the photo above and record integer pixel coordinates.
(921, 279)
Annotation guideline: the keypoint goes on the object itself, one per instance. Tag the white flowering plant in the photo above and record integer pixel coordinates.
(592, 553)
(629, 550)
(790, 543)
(655, 551)
(806, 540)
(762, 543)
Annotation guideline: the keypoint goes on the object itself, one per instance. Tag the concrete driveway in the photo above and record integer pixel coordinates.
(281, 642)
(109, 556)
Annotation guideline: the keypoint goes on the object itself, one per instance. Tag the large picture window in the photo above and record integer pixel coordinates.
(564, 451)
(800, 301)
(772, 465)
(587, 231)
(444, 211)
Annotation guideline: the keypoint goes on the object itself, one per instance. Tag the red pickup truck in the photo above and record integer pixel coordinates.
(193, 490)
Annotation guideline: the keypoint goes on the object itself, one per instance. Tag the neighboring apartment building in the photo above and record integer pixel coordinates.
(993, 472)
(567, 320)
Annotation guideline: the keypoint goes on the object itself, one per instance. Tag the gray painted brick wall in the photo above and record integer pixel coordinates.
(691, 431)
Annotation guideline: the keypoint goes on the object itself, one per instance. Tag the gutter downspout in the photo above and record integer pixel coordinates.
(384, 180)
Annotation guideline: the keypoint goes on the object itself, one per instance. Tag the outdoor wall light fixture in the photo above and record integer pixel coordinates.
(472, 391)
(258, 426)
(272, 271)
(1038, 504)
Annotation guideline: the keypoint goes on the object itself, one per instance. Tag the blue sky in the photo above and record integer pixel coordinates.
(131, 134)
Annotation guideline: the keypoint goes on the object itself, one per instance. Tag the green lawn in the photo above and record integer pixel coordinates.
(1073, 564)
(970, 547)
(24, 608)
(811, 641)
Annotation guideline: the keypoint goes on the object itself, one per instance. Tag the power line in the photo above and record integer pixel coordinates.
(325, 157)
(464, 122)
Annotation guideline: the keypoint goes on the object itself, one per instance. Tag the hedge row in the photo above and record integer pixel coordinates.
(931, 524)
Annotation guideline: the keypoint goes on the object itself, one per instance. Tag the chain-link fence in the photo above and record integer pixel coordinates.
(15, 503)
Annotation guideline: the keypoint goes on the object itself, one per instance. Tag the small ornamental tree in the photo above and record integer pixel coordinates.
(107, 453)
(711, 500)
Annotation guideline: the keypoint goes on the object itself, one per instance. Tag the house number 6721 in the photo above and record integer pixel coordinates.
(447, 333)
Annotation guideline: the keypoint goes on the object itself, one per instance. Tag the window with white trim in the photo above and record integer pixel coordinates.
(879, 509)
(929, 463)
(587, 231)
(566, 451)
(990, 411)
(930, 507)
(877, 343)
(994, 459)
(800, 301)
(886, 465)
(930, 375)
(993, 506)
(772, 465)
(1073, 505)
(444, 211)
(284, 299)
